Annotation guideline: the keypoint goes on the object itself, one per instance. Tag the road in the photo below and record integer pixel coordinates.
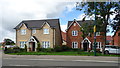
(47, 60)
(52, 62)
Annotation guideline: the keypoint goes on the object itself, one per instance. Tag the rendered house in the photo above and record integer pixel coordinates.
(75, 39)
(116, 38)
(31, 32)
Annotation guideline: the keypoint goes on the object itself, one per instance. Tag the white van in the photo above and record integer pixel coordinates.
(111, 49)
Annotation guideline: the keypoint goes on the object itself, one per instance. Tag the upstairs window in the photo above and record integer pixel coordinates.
(23, 32)
(74, 24)
(45, 31)
(74, 33)
(33, 31)
(97, 33)
(74, 44)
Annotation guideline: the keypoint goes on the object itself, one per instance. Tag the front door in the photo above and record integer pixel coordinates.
(33, 46)
(85, 46)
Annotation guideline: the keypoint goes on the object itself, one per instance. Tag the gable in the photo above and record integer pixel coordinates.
(72, 24)
(45, 25)
(23, 26)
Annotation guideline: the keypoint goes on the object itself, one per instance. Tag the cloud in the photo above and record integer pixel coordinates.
(63, 27)
(81, 16)
(14, 11)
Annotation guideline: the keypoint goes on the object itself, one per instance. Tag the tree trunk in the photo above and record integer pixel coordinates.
(105, 31)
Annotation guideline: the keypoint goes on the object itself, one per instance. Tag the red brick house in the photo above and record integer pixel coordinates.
(116, 38)
(109, 40)
(63, 37)
(75, 39)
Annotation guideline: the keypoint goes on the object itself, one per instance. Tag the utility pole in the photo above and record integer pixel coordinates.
(95, 29)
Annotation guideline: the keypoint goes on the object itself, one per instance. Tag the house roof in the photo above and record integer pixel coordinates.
(63, 35)
(89, 22)
(37, 24)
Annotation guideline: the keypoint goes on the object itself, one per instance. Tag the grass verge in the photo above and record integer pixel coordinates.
(72, 53)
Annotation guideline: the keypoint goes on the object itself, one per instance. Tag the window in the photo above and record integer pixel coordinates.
(46, 31)
(45, 44)
(23, 32)
(98, 45)
(74, 24)
(22, 44)
(74, 44)
(33, 31)
(97, 33)
(74, 33)
(118, 34)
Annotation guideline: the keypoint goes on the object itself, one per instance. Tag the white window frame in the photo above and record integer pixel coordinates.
(74, 33)
(33, 31)
(74, 24)
(98, 44)
(45, 31)
(46, 44)
(23, 31)
(22, 44)
(74, 44)
(97, 33)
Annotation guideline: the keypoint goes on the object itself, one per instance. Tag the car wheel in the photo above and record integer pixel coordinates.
(106, 52)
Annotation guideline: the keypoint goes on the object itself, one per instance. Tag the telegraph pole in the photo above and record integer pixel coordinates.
(95, 29)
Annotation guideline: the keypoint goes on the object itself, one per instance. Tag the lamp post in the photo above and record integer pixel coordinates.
(95, 30)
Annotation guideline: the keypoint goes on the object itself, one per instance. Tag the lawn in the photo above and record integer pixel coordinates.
(72, 53)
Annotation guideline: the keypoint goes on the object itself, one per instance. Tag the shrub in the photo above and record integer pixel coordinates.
(12, 50)
(65, 48)
(25, 47)
(46, 49)
(57, 49)
(38, 47)
(76, 49)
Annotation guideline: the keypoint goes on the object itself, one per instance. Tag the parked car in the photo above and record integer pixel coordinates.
(111, 49)
(9, 46)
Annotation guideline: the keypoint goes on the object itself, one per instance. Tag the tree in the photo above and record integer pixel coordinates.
(103, 12)
(87, 29)
(116, 22)
(8, 42)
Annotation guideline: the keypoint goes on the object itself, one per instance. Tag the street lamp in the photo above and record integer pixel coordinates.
(95, 30)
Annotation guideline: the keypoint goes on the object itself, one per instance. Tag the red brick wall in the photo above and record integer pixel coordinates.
(71, 38)
(117, 39)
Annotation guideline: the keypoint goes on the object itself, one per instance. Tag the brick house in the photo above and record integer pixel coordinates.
(75, 39)
(116, 38)
(109, 40)
(31, 32)
(63, 37)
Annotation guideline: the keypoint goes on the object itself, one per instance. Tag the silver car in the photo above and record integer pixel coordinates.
(111, 49)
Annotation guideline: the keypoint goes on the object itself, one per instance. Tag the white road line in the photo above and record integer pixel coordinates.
(66, 60)
(18, 65)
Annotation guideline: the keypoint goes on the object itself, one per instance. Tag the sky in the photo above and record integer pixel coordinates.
(14, 11)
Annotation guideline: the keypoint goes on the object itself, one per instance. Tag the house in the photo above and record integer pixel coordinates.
(75, 39)
(116, 38)
(46, 32)
(109, 40)
(63, 37)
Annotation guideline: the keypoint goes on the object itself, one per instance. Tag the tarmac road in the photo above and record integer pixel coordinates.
(55, 60)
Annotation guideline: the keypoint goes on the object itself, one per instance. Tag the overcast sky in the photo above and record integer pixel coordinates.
(14, 11)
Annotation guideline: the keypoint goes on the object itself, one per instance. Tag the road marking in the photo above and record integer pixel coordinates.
(17, 65)
(66, 60)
